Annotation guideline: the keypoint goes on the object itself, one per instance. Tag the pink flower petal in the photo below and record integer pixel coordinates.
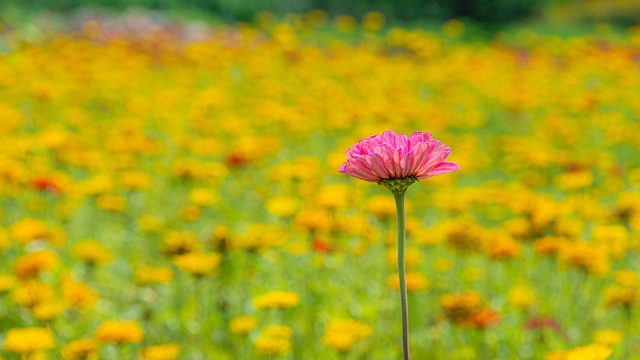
(392, 155)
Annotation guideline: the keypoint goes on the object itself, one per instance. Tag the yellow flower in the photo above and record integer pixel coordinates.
(114, 203)
(342, 334)
(78, 295)
(502, 247)
(197, 263)
(119, 332)
(615, 239)
(333, 197)
(152, 275)
(32, 293)
(518, 227)
(608, 337)
(243, 324)
(277, 300)
(259, 236)
(585, 256)
(282, 206)
(589, 352)
(203, 196)
(95, 185)
(7, 282)
(29, 340)
(83, 349)
(92, 252)
(521, 296)
(220, 237)
(161, 352)
(135, 180)
(28, 230)
(274, 340)
(272, 346)
(314, 220)
(179, 243)
(574, 180)
(615, 295)
(47, 311)
(549, 245)
(628, 278)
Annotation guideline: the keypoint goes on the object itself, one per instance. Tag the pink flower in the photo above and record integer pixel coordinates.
(398, 156)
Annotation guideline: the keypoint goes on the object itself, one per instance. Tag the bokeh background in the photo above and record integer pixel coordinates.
(169, 185)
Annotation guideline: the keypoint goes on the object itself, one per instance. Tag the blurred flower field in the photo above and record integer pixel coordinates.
(174, 197)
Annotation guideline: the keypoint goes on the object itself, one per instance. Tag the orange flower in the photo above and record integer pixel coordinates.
(33, 264)
(119, 332)
(484, 318)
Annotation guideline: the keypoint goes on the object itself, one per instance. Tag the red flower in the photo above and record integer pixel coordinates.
(536, 323)
(321, 246)
(43, 183)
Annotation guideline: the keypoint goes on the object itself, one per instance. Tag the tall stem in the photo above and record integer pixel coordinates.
(402, 239)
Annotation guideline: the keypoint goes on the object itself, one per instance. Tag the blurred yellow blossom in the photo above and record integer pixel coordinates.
(152, 275)
(92, 252)
(243, 324)
(521, 296)
(119, 332)
(274, 340)
(160, 352)
(277, 299)
(28, 341)
(198, 264)
(608, 337)
(342, 334)
(589, 352)
(82, 349)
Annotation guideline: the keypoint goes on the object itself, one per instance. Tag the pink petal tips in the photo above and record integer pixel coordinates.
(398, 156)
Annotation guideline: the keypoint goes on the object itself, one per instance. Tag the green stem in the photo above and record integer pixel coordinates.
(123, 351)
(402, 239)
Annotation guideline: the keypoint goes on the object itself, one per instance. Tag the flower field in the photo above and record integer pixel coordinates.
(166, 196)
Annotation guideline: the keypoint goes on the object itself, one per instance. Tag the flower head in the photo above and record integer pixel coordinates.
(342, 334)
(274, 340)
(29, 340)
(277, 300)
(197, 263)
(398, 156)
(243, 324)
(119, 332)
(82, 349)
(161, 352)
(152, 275)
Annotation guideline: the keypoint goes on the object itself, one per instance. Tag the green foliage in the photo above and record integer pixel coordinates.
(492, 12)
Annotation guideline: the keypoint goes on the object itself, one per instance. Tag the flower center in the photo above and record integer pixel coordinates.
(398, 184)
